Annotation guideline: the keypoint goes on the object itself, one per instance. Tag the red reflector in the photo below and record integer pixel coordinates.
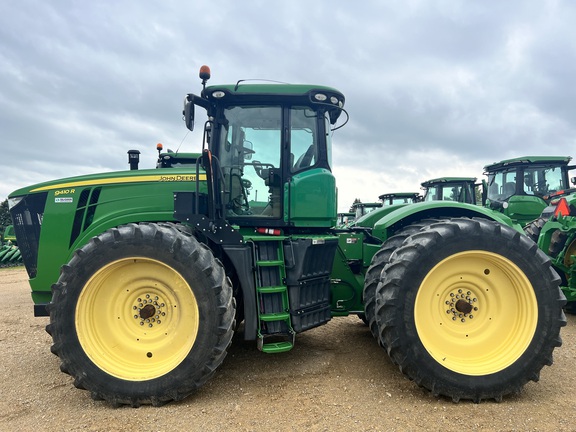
(270, 231)
(562, 208)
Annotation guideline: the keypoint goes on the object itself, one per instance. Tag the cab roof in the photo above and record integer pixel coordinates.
(527, 160)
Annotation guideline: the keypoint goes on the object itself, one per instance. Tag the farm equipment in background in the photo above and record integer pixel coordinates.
(147, 274)
(343, 219)
(396, 198)
(555, 233)
(521, 188)
(10, 255)
(537, 192)
(459, 189)
(360, 209)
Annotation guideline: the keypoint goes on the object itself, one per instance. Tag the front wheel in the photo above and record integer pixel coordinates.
(142, 314)
(470, 309)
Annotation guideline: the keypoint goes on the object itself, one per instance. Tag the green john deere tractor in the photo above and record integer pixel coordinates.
(460, 189)
(521, 188)
(395, 198)
(147, 274)
(555, 233)
(343, 219)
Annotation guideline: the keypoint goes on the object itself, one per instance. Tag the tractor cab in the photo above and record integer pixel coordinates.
(267, 153)
(344, 219)
(459, 189)
(171, 159)
(360, 209)
(522, 187)
(396, 198)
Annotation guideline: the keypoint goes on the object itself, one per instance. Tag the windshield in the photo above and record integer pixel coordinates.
(501, 185)
(543, 180)
(448, 192)
(535, 180)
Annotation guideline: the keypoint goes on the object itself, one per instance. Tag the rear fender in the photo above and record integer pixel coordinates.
(392, 221)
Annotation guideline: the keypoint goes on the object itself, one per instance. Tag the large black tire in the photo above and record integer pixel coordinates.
(470, 309)
(533, 229)
(142, 314)
(373, 274)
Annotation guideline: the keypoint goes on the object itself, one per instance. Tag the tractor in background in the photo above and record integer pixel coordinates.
(459, 189)
(396, 198)
(522, 187)
(555, 233)
(147, 274)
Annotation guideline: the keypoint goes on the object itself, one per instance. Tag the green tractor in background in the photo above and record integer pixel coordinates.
(343, 219)
(397, 198)
(360, 209)
(10, 255)
(459, 189)
(147, 274)
(555, 233)
(537, 192)
(521, 188)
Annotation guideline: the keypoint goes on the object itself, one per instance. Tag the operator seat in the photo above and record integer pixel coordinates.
(305, 160)
(509, 189)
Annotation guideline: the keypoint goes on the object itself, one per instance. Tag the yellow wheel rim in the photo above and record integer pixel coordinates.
(476, 313)
(137, 319)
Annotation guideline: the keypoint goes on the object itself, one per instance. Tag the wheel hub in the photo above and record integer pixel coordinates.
(149, 310)
(461, 305)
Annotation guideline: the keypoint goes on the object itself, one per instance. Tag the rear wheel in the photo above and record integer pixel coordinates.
(142, 314)
(470, 309)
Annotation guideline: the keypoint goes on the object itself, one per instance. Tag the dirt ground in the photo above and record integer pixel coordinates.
(336, 378)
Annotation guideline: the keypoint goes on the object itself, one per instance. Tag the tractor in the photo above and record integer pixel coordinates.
(395, 198)
(460, 189)
(360, 208)
(521, 188)
(146, 274)
(343, 219)
(555, 232)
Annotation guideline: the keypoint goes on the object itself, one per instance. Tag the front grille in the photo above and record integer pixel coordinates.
(27, 219)
(85, 210)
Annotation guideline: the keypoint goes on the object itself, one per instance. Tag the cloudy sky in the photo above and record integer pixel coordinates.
(433, 87)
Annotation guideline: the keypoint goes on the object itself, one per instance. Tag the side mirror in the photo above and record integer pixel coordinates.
(573, 180)
(248, 150)
(188, 111)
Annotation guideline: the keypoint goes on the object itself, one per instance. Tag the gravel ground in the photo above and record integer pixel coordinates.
(336, 378)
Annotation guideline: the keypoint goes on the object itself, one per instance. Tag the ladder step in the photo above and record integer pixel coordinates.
(277, 347)
(257, 238)
(278, 316)
(275, 263)
(272, 289)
